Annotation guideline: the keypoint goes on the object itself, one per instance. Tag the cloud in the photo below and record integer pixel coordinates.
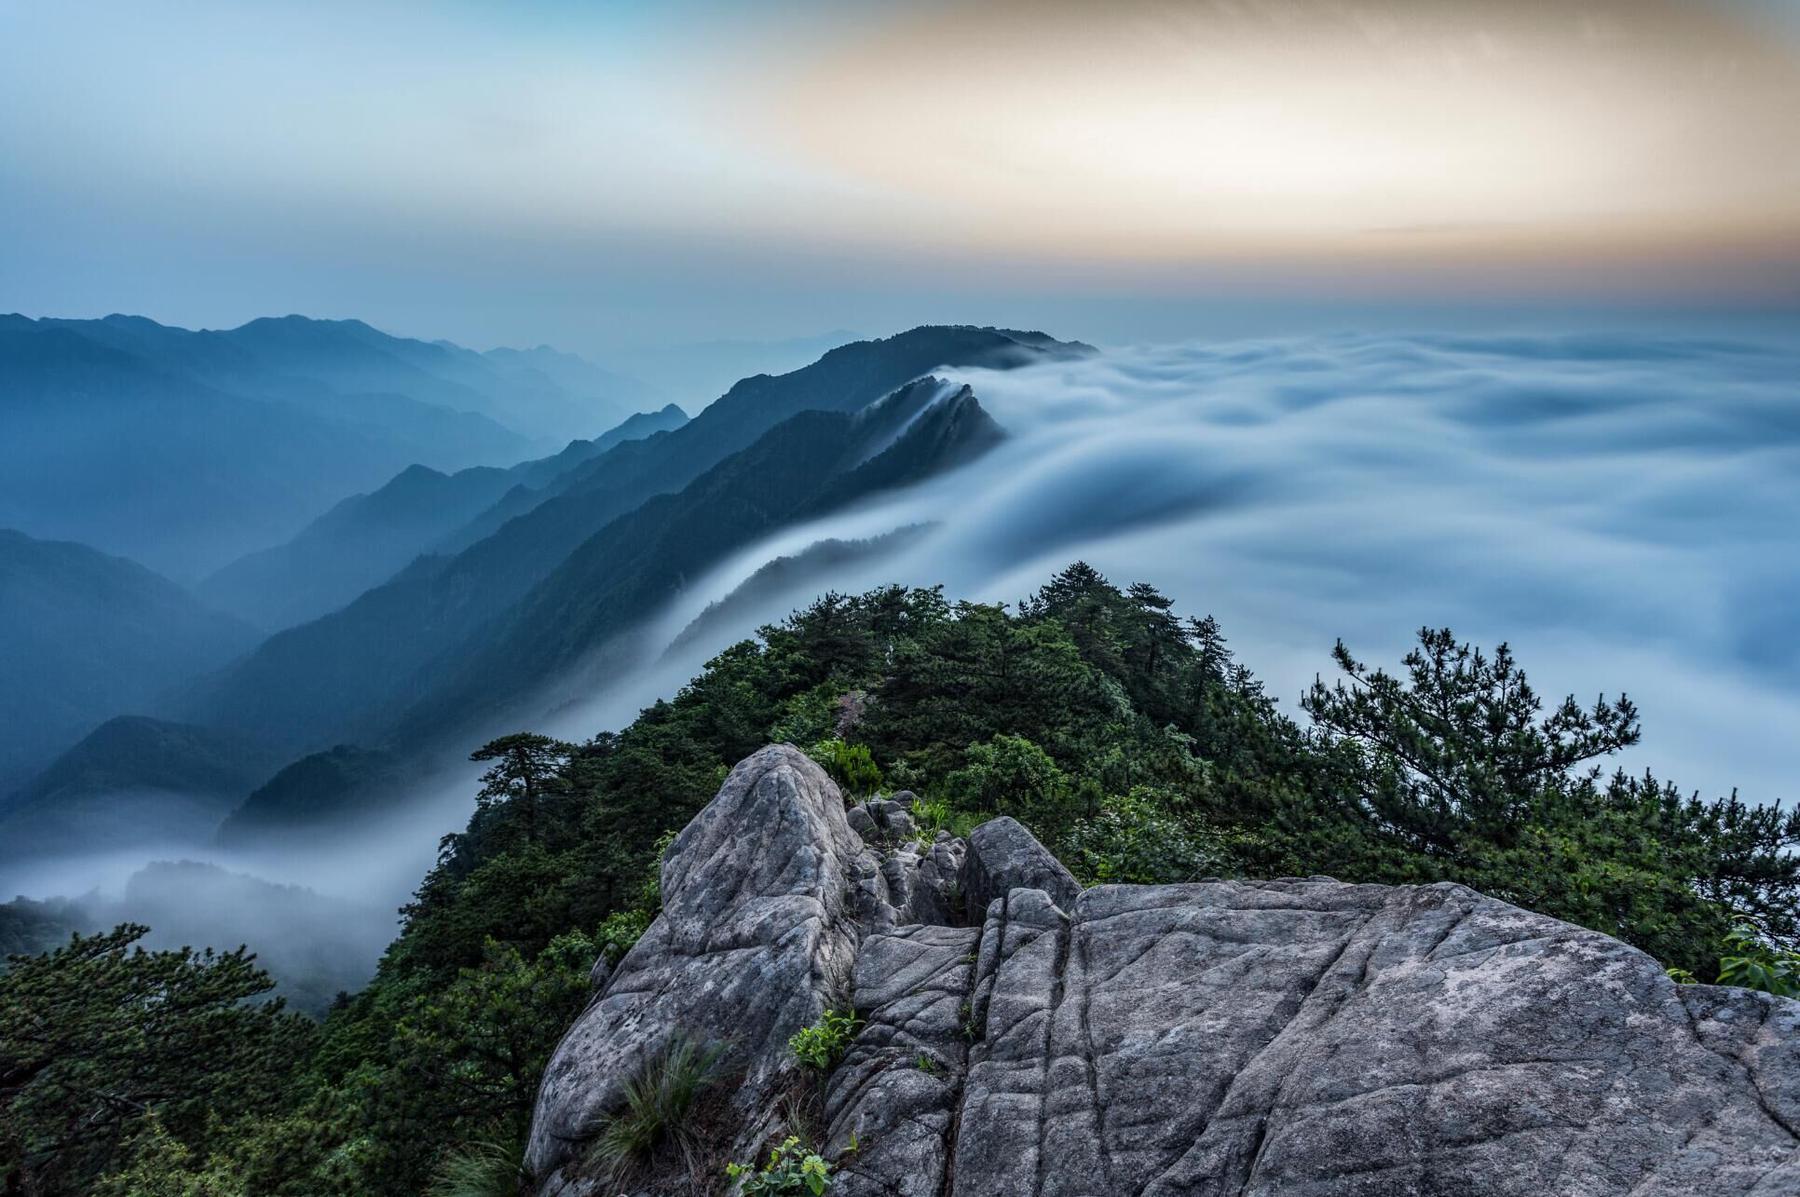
(1620, 508)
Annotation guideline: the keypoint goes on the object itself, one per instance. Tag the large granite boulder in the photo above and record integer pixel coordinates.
(762, 894)
(1303, 1038)
(895, 1094)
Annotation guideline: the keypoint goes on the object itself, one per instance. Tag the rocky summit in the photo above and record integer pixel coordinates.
(1018, 1036)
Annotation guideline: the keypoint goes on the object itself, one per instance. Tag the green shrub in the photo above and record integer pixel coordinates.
(481, 1170)
(659, 1104)
(1010, 775)
(823, 1044)
(1754, 964)
(620, 930)
(931, 817)
(162, 1166)
(850, 765)
(807, 717)
(1136, 839)
(789, 1170)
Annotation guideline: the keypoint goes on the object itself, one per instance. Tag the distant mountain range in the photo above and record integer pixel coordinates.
(133, 780)
(439, 606)
(368, 538)
(398, 661)
(85, 636)
(186, 450)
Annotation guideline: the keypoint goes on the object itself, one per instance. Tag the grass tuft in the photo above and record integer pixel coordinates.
(659, 1104)
(481, 1170)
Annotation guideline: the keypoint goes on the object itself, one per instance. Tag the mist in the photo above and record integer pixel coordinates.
(1620, 509)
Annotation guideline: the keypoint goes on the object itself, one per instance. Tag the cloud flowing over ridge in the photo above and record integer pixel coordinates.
(1622, 510)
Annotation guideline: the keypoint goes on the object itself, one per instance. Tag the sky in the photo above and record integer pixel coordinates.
(611, 176)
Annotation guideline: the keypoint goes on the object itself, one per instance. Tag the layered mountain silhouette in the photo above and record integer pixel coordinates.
(85, 636)
(457, 639)
(133, 779)
(367, 538)
(440, 606)
(185, 450)
(809, 465)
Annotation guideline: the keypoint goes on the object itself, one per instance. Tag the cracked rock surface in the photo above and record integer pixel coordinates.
(757, 938)
(1305, 1038)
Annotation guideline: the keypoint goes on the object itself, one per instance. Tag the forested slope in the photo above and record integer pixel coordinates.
(1121, 732)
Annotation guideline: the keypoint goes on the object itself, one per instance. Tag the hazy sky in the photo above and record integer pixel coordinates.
(599, 174)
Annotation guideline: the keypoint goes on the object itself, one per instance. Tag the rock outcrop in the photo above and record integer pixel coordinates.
(757, 938)
(1301, 1037)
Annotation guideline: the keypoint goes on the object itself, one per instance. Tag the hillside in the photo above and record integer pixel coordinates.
(1068, 779)
(367, 538)
(132, 780)
(814, 463)
(188, 449)
(353, 675)
(87, 636)
(324, 791)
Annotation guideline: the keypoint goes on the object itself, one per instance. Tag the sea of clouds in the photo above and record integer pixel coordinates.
(1624, 510)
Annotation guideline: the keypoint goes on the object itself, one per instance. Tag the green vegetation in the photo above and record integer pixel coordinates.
(28, 927)
(659, 1111)
(481, 1170)
(1124, 735)
(790, 1170)
(113, 1055)
(823, 1044)
(1755, 964)
(850, 765)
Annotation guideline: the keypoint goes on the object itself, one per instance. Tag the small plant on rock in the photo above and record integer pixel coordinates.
(850, 765)
(823, 1044)
(931, 816)
(481, 1170)
(791, 1169)
(659, 1104)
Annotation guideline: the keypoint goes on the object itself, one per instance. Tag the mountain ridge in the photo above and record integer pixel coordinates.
(88, 635)
(386, 646)
(364, 540)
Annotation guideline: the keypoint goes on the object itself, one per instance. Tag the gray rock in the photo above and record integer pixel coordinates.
(894, 821)
(1002, 857)
(884, 822)
(895, 1094)
(757, 938)
(922, 886)
(863, 824)
(1324, 1040)
(1301, 1038)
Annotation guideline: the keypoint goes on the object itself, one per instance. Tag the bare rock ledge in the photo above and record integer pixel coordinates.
(1296, 1038)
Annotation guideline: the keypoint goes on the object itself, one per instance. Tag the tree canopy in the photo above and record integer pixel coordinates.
(1124, 734)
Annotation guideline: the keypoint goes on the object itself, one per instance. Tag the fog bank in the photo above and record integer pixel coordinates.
(1622, 509)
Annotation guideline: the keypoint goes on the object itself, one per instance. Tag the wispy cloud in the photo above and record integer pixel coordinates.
(1622, 509)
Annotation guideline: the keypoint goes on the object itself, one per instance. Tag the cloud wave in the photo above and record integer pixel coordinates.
(1622, 509)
